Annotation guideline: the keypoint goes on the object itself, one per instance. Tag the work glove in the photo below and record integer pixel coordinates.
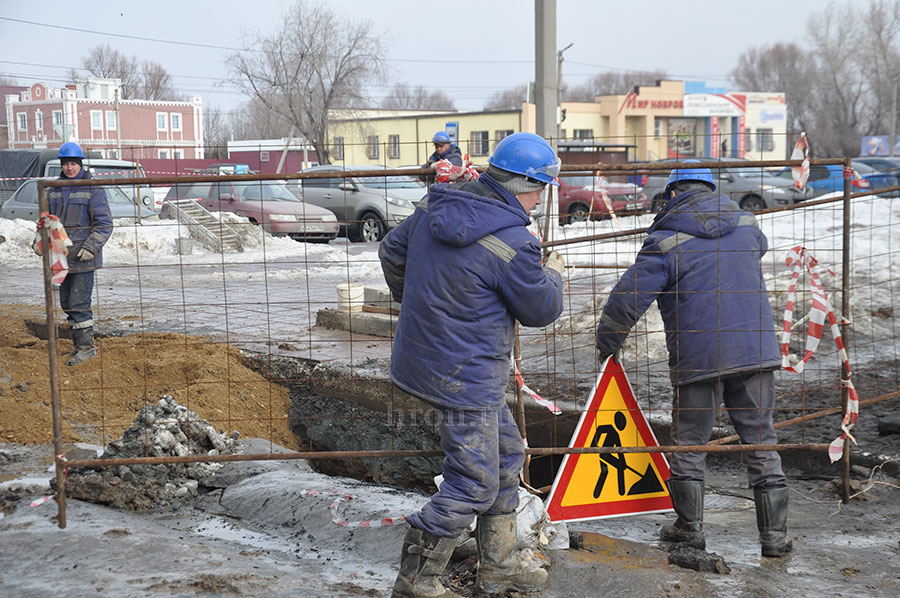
(555, 261)
(84, 255)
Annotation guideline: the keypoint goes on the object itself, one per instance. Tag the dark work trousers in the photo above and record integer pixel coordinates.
(483, 455)
(750, 400)
(75, 298)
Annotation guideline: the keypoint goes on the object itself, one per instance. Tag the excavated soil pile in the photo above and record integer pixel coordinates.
(165, 429)
(100, 397)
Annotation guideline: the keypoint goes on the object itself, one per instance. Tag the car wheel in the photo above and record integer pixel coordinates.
(369, 229)
(578, 212)
(752, 203)
(658, 203)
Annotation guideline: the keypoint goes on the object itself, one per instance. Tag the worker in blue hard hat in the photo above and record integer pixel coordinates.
(701, 263)
(84, 212)
(466, 268)
(444, 149)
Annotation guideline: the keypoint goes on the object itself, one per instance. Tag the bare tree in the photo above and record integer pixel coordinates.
(404, 97)
(255, 120)
(781, 67)
(610, 82)
(156, 82)
(508, 99)
(215, 133)
(313, 61)
(107, 62)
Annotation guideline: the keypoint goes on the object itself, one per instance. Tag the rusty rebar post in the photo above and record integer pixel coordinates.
(845, 322)
(520, 410)
(43, 208)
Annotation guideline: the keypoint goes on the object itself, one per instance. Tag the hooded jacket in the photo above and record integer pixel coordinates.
(700, 262)
(84, 211)
(465, 269)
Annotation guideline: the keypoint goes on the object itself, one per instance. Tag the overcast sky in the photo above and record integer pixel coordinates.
(469, 48)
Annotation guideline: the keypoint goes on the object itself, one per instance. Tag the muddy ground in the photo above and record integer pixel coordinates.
(257, 533)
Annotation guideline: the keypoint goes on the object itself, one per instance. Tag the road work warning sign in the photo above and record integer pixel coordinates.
(591, 486)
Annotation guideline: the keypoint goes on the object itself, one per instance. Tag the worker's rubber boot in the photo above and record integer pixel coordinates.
(687, 499)
(423, 559)
(84, 345)
(499, 567)
(771, 519)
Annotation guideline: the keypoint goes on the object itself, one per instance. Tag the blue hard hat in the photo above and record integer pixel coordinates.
(441, 137)
(70, 149)
(702, 175)
(527, 154)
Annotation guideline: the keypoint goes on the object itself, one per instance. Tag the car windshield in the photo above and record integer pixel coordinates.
(116, 195)
(392, 182)
(264, 191)
(862, 168)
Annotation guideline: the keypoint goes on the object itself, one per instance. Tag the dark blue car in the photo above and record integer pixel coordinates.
(830, 179)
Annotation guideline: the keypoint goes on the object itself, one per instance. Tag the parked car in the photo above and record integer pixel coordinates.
(267, 203)
(825, 179)
(752, 188)
(878, 179)
(367, 207)
(580, 199)
(889, 164)
(24, 203)
(115, 169)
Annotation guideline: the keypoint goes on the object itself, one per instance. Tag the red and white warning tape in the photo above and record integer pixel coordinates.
(550, 405)
(45, 499)
(59, 246)
(821, 309)
(800, 173)
(338, 520)
(602, 185)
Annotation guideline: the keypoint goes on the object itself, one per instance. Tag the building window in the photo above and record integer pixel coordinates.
(263, 156)
(393, 146)
(748, 140)
(57, 117)
(659, 127)
(582, 133)
(501, 133)
(176, 121)
(562, 134)
(163, 154)
(38, 120)
(338, 148)
(480, 143)
(372, 147)
(765, 142)
(21, 121)
(178, 154)
(111, 121)
(161, 118)
(112, 154)
(96, 120)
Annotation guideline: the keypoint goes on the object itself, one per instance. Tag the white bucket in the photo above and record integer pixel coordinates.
(350, 297)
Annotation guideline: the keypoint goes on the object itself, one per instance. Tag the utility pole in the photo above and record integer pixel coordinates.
(546, 94)
(559, 61)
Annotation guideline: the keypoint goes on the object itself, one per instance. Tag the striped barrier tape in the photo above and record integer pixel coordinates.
(550, 405)
(338, 520)
(821, 310)
(602, 184)
(59, 246)
(45, 499)
(800, 174)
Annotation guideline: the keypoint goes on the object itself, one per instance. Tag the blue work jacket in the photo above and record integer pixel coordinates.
(465, 269)
(701, 263)
(84, 211)
(454, 155)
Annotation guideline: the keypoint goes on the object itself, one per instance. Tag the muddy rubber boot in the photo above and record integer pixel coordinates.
(687, 499)
(771, 519)
(422, 560)
(84, 346)
(499, 567)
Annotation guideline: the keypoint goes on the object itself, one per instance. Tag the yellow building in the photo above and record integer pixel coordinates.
(684, 119)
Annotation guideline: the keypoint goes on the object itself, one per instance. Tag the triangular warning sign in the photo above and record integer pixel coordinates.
(590, 486)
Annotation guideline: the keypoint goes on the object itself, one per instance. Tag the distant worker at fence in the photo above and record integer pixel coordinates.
(444, 150)
(465, 269)
(701, 263)
(84, 212)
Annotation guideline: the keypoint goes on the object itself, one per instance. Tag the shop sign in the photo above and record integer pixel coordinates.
(719, 104)
(633, 101)
(772, 113)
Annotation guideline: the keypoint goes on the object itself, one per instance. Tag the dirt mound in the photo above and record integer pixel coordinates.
(100, 398)
(164, 429)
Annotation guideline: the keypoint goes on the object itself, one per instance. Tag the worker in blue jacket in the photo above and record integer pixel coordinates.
(444, 150)
(701, 264)
(84, 212)
(466, 269)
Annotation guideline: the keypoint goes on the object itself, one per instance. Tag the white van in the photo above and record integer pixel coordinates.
(114, 169)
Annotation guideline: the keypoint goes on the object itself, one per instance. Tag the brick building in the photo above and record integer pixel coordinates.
(89, 113)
